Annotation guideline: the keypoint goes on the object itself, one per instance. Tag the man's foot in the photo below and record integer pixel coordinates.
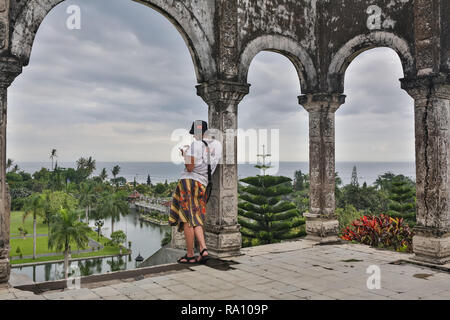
(204, 256)
(187, 260)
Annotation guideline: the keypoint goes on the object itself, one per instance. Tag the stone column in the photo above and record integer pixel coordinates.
(9, 69)
(321, 222)
(432, 124)
(222, 230)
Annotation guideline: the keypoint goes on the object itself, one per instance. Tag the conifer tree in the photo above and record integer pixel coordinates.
(149, 181)
(301, 181)
(402, 197)
(262, 212)
(355, 181)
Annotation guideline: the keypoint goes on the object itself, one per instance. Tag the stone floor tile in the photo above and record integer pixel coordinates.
(104, 292)
(295, 270)
(117, 297)
(7, 296)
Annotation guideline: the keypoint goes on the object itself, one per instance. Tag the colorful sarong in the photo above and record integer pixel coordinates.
(188, 204)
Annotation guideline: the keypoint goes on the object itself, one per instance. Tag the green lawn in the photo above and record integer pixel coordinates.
(102, 240)
(107, 251)
(26, 245)
(16, 222)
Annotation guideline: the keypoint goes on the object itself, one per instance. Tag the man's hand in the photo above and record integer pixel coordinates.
(184, 150)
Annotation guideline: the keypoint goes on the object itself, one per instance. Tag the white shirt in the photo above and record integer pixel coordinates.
(198, 151)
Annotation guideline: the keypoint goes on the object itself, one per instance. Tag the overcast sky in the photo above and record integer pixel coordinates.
(119, 87)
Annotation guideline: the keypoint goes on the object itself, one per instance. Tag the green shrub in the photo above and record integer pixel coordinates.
(347, 215)
(166, 239)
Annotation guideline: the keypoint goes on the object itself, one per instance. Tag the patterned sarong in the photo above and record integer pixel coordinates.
(188, 204)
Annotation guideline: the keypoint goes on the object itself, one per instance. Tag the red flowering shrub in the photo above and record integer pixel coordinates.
(382, 231)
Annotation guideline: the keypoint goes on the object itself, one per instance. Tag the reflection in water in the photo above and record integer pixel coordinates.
(117, 265)
(48, 270)
(145, 239)
(88, 267)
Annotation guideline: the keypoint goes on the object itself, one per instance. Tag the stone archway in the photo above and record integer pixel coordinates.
(25, 20)
(348, 52)
(287, 47)
(320, 38)
(33, 14)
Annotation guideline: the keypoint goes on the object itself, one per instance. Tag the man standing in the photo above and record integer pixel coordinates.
(188, 210)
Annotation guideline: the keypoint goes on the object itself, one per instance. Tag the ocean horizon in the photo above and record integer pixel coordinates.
(161, 171)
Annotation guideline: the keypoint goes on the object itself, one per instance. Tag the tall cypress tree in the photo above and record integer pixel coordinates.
(263, 214)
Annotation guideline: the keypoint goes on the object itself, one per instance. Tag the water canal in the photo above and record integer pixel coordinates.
(145, 240)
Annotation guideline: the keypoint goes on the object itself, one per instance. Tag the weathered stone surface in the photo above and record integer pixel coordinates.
(224, 242)
(222, 233)
(321, 220)
(178, 239)
(321, 229)
(321, 39)
(292, 270)
(9, 69)
(4, 270)
(432, 113)
(432, 249)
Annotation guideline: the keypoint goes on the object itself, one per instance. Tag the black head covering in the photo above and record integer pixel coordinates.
(199, 125)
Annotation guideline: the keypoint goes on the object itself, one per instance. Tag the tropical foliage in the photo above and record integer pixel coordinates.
(118, 238)
(67, 229)
(114, 206)
(380, 231)
(402, 200)
(34, 206)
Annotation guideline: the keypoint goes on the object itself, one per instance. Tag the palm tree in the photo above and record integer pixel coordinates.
(53, 155)
(15, 168)
(103, 175)
(35, 205)
(9, 164)
(81, 163)
(114, 206)
(87, 166)
(115, 171)
(91, 165)
(87, 197)
(48, 214)
(66, 229)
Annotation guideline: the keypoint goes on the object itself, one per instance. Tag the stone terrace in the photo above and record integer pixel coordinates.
(300, 270)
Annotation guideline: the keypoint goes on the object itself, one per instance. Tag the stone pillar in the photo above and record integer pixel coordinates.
(9, 69)
(222, 230)
(321, 222)
(432, 125)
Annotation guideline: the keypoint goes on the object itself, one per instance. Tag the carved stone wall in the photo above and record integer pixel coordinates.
(9, 69)
(321, 38)
(4, 25)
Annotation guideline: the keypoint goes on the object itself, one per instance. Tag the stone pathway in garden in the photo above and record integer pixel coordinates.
(300, 270)
(15, 236)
